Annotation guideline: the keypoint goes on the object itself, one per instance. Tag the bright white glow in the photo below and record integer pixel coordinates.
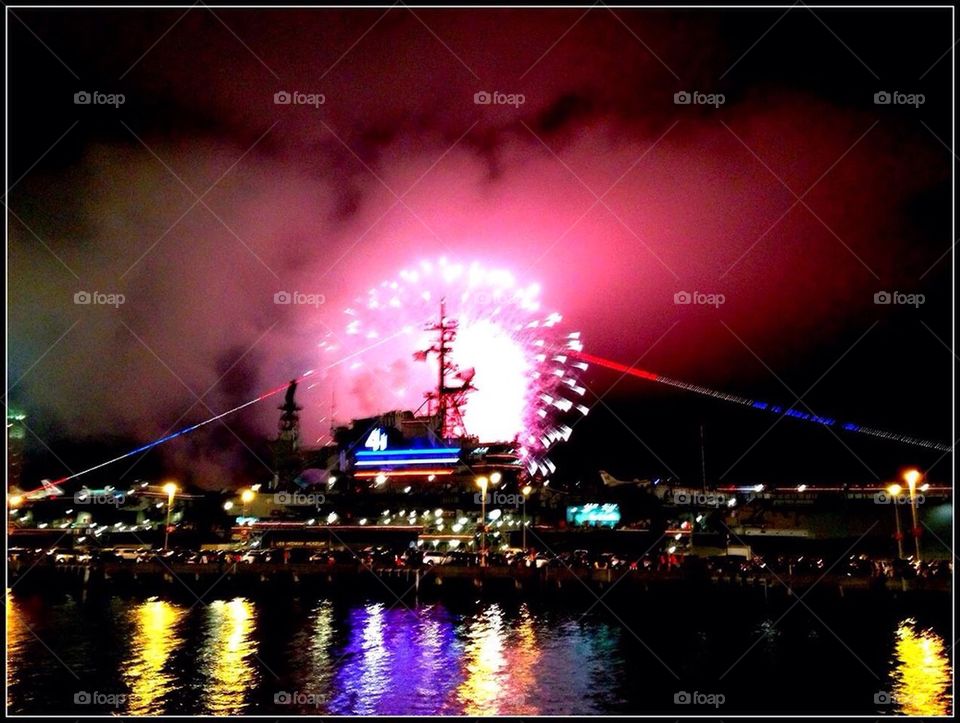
(495, 411)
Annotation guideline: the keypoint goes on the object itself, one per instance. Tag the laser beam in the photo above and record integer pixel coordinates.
(757, 404)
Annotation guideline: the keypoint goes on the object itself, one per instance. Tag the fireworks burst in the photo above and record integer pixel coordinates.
(527, 383)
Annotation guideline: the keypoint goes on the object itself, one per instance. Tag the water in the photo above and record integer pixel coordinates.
(303, 655)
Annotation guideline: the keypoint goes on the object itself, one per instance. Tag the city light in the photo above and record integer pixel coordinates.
(170, 488)
(912, 476)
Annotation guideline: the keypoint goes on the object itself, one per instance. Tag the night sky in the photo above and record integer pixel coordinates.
(798, 199)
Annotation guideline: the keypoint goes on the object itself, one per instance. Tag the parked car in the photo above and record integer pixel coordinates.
(540, 560)
(129, 553)
(436, 557)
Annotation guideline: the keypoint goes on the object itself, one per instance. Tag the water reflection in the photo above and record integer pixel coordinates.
(17, 635)
(921, 674)
(483, 690)
(156, 634)
(227, 656)
(397, 661)
(312, 649)
(522, 662)
(376, 659)
(501, 664)
(362, 677)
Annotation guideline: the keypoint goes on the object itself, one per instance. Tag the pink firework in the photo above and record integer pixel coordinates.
(526, 385)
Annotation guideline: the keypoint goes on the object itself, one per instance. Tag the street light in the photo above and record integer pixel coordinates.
(247, 497)
(526, 493)
(495, 478)
(482, 483)
(894, 491)
(171, 489)
(912, 476)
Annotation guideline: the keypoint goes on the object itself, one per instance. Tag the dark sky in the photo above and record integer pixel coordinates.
(798, 199)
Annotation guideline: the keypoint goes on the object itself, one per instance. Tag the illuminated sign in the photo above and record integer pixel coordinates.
(405, 473)
(420, 451)
(405, 460)
(377, 441)
(594, 515)
(391, 458)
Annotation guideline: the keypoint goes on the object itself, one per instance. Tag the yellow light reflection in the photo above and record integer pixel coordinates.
(482, 691)
(16, 643)
(226, 658)
(156, 635)
(522, 664)
(921, 674)
(320, 669)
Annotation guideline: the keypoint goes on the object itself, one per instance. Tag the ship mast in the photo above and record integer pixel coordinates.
(453, 385)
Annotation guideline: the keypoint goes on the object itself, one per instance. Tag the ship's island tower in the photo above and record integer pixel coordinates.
(453, 384)
(287, 456)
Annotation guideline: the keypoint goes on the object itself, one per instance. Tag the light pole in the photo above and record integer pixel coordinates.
(171, 489)
(526, 493)
(912, 476)
(482, 484)
(247, 497)
(894, 491)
